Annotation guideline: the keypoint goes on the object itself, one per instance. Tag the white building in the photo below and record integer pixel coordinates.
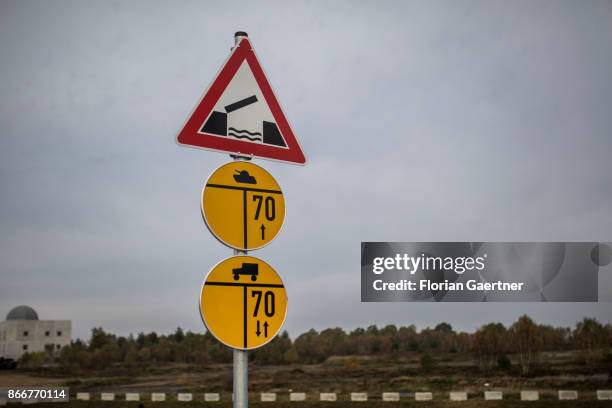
(22, 332)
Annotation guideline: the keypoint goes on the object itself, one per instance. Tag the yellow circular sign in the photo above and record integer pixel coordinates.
(243, 302)
(243, 206)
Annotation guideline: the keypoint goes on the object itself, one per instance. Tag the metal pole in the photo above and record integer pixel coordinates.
(241, 358)
(241, 379)
(241, 363)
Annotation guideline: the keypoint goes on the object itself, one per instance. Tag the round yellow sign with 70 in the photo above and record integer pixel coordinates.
(243, 302)
(243, 206)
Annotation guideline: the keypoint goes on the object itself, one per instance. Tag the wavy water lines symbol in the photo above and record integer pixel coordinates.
(244, 134)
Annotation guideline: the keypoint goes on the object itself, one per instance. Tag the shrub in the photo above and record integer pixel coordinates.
(33, 360)
(504, 363)
(427, 362)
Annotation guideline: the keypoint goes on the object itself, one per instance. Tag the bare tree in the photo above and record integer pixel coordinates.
(488, 343)
(590, 336)
(526, 341)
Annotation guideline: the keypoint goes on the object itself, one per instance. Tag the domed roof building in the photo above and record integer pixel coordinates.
(23, 332)
(22, 313)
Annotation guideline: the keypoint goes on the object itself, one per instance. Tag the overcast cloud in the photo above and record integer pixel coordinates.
(421, 121)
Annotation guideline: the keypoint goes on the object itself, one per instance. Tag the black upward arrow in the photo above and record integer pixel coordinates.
(258, 332)
(263, 232)
(265, 329)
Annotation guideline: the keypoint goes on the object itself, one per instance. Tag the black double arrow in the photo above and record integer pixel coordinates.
(265, 326)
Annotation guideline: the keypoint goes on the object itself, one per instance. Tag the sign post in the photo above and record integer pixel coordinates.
(243, 301)
(241, 379)
(241, 357)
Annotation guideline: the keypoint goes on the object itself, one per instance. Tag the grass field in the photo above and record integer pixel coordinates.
(342, 375)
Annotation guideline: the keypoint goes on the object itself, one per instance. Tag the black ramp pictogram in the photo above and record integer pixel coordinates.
(216, 124)
(240, 104)
(271, 135)
(249, 134)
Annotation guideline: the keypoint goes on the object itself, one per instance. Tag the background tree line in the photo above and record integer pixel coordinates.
(490, 346)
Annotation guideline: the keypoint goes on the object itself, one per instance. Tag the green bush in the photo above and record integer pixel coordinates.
(427, 362)
(504, 363)
(33, 360)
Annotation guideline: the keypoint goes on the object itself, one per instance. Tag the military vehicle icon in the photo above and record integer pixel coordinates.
(251, 269)
(243, 176)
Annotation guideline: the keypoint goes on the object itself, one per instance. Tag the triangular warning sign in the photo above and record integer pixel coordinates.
(240, 114)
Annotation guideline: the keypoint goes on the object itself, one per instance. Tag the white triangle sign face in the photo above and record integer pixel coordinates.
(240, 114)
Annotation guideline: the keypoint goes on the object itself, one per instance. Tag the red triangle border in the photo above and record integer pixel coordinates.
(189, 135)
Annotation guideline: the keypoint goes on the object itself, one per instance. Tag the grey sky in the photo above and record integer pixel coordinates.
(422, 121)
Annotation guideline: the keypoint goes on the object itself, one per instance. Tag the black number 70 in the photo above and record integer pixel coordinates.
(268, 302)
(269, 204)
